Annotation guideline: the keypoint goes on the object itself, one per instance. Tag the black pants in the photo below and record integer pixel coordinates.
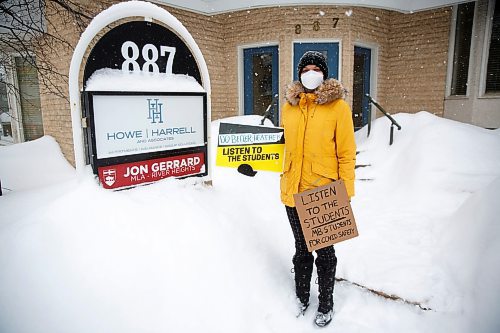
(326, 264)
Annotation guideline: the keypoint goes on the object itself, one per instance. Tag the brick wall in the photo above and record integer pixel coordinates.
(54, 94)
(417, 56)
(207, 33)
(411, 51)
(278, 26)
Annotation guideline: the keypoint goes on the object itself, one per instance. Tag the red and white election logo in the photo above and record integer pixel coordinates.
(109, 177)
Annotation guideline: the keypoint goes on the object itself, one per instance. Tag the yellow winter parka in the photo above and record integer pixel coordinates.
(319, 139)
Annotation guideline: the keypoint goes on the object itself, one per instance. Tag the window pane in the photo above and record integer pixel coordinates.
(262, 82)
(4, 106)
(29, 94)
(361, 86)
(493, 69)
(463, 35)
(5, 126)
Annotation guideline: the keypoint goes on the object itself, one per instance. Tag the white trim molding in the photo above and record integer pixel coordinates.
(241, 70)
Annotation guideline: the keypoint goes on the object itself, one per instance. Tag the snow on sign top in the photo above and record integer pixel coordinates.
(108, 79)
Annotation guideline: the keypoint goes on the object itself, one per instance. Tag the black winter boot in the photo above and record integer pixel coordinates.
(303, 260)
(303, 267)
(326, 264)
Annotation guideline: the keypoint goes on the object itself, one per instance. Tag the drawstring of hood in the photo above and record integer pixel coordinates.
(305, 98)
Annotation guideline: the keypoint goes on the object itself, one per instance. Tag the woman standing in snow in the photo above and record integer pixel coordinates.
(319, 148)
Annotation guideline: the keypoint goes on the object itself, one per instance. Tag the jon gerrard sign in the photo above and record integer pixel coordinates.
(145, 107)
(260, 147)
(325, 215)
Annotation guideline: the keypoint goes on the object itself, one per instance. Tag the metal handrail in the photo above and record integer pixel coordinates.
(269, 111)
(393, 121)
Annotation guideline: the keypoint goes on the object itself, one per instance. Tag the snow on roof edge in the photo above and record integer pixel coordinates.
(223, 6)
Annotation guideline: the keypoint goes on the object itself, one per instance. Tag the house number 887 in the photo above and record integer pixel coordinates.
(150, 54)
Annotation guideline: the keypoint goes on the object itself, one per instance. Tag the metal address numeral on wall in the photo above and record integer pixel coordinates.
(335, 21)
(316, 26)
(150, 56)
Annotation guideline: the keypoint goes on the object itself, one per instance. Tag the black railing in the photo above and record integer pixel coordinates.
(269, 113)
(393, 122)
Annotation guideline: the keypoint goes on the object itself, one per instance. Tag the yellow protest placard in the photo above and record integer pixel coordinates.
(260, 147)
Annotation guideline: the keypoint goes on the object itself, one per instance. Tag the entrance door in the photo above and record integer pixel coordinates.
(361, 86)
(329, 50)
(261, 80)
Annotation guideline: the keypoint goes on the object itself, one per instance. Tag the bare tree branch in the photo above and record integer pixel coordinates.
(35, 30)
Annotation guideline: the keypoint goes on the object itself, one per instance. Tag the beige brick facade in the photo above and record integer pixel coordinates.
(410, 52)
(417, 57)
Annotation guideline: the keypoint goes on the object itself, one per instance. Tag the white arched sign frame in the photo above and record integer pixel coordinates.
(102, 20)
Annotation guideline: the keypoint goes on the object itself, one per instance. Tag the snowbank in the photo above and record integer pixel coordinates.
(470, 258)
(414, 186)
(33, 164)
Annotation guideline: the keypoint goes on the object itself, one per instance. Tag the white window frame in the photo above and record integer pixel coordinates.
(241, 69)
(373, 71)
(14, 99)
(485, 52)
(451, 54)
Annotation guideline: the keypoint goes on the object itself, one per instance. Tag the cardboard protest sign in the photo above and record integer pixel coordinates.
(260, 147)
(325, 215)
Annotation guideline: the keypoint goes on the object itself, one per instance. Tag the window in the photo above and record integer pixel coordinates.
(493, 68)
(361, 86)
(5, 125)
(261, 81)
(20, 108)
(29, 98)
(461, 55)
(4, 105)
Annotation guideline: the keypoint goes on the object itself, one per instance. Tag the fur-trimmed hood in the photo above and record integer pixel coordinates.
(328, 91)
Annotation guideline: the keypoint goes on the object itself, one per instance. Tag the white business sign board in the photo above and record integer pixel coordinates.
(130, 125)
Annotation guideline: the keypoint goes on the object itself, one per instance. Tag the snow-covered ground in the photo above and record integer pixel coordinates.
(178, 256)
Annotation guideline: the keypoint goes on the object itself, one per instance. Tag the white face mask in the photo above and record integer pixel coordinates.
(311, 79)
